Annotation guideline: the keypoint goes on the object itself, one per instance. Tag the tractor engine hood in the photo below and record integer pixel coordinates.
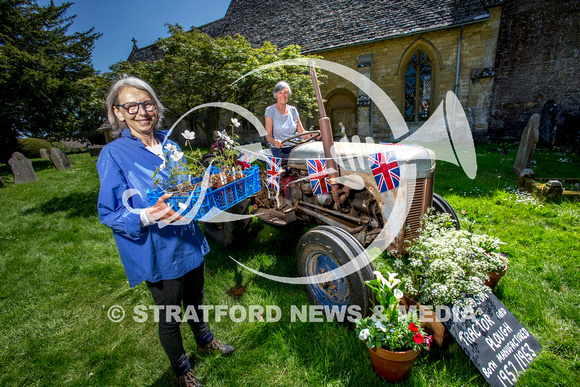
(353, 157)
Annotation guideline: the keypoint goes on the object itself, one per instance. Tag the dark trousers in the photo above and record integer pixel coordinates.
(281, 153)
(171, 294)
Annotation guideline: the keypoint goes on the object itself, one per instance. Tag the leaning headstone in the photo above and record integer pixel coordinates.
(44, 153)
(59, 159)
(22, 169)
(528, 143)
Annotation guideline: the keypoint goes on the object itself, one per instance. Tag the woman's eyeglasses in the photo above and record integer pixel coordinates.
(133, 107)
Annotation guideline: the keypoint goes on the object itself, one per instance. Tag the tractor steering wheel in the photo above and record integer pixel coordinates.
(298, 140)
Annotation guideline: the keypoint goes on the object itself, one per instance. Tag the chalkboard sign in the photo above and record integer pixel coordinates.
(495, 341)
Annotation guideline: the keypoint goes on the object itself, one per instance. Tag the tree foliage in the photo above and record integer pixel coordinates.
(197, 69)
(40, 69)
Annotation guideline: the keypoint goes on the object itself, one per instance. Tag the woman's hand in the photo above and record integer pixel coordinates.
(310, 135)
(162, 212)
(278, 144)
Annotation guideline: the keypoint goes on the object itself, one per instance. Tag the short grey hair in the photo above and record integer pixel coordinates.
(281, 86)
(112, 99)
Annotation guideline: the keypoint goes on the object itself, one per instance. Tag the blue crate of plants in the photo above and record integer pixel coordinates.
(221, 197)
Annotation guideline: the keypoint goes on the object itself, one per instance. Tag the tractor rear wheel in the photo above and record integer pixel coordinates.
(230, 233)
(441, 206)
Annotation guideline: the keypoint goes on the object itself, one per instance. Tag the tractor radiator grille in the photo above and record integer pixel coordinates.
(421, 199)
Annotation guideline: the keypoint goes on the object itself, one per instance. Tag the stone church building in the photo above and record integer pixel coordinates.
(505, 60)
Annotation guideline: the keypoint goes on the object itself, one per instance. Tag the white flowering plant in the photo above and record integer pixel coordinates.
(445, 266)
(225, 147)
(182, 171)
(390, 327)
(488, 248)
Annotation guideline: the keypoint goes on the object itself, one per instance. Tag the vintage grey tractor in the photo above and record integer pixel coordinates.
(350, 217)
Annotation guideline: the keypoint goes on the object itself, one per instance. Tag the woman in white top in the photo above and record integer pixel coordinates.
(282, 121)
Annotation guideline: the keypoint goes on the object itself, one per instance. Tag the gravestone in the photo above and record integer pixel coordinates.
(59, 159)
(528, 143)
(548, 123)
(22, 169)
(95, 150)
(44, 153)
(525, 175)
(553, 189)
(568, 133)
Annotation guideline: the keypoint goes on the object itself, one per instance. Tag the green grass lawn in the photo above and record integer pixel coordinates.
(61, 273)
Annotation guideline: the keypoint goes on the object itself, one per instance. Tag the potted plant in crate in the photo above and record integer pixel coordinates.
(393, 337)
(179, 175)
(220, 186)
(226, 157)
(445, 266)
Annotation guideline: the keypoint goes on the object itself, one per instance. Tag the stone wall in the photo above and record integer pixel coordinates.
(537, 61)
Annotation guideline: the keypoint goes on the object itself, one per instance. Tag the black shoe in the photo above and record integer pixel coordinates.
(216, 347)
(189, 380)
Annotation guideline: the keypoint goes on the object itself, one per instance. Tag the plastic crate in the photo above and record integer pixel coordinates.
(222, 198)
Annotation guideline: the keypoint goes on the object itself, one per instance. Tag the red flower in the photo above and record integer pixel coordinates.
(418, 338)
(429, 341)
(413, 327)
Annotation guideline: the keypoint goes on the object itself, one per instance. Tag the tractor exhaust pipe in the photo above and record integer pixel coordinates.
(327, 138)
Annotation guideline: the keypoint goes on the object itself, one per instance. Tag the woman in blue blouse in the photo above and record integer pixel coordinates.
(153, 244)
(282, 121)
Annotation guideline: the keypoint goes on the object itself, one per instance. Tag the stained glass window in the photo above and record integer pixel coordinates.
(418, 84)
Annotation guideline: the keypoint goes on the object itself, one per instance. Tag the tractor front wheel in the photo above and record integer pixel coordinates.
(324, 249)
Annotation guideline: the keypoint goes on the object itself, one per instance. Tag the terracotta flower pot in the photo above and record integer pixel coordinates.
(494, 278)
(390, 365)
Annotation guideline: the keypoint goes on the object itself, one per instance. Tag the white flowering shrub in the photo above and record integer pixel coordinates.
(444, 265)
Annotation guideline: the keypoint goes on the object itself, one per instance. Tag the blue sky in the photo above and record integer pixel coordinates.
(120, 21)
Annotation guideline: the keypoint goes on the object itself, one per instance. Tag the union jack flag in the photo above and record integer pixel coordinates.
(318, 176)
(245, 159)
(274, 167)
(385, 169)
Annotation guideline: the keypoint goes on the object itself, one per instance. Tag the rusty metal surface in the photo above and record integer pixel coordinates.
(328, 221)
(276, 217)
(331, 212)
